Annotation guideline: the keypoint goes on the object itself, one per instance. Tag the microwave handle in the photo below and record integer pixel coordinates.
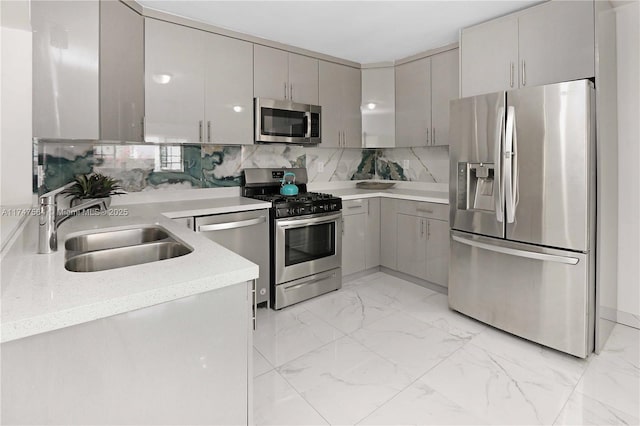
(307, 130)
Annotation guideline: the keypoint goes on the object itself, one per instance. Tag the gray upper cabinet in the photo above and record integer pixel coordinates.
(339, 96)
(174, 82)
(548, 43)
(489, 57)
(556, 43)
(303, 79)
(65, 69)
(199, 86)
(229, 90)
(444, 88)
(283, 75)
(270, 73)
(413, 103)
(121, 72)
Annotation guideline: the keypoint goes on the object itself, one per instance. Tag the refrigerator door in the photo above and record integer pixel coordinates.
(544, 295)
(549, 171)
(476, 202)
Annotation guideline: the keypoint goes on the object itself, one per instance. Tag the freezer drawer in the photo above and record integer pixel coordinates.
(540, 294)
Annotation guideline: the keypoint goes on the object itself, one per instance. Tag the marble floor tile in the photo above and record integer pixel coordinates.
(347, 309)
(496, 390)
(395, 292)
(275, 402)
(420, 405)
(583, 410)
(411, 344)
(284, 335)
(344, 381)
(260, 364)
(435, 311)
(554, 365)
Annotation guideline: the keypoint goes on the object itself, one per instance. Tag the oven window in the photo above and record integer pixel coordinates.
(309, 243)
(280, 122)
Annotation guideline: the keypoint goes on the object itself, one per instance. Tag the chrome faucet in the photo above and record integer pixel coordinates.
(50, 220)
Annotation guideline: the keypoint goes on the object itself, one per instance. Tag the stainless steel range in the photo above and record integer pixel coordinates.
(306, 236)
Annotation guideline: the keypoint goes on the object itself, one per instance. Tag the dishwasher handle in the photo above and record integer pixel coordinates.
(232, 225)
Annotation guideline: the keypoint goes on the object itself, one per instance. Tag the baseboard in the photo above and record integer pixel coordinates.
(423, 283)
(357, 275)
(628, 319)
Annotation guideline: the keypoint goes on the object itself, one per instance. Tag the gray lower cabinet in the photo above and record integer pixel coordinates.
(388, 232)
(361, 235)
(437, 263)
(412, 245)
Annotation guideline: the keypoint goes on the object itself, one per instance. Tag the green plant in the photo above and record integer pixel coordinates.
(93, 186)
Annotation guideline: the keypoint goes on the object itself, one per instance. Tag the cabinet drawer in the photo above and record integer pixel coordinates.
(352, 207)
(424, 209)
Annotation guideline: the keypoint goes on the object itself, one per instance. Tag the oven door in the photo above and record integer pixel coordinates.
(307, 245)
(286, 122)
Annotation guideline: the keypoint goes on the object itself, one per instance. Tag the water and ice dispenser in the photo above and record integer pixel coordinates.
(476, 186)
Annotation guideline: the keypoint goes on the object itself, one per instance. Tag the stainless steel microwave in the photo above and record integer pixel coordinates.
(286, 122)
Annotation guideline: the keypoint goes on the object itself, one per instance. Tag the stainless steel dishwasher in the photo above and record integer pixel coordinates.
(245, 233)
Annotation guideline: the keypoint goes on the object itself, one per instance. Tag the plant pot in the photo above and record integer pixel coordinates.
(78, 201)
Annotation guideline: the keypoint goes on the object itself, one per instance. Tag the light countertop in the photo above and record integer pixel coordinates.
(397, 193)
(39, 295)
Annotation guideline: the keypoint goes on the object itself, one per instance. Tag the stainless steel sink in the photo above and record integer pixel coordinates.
(101, 260)
(119, 248)
(115, 239)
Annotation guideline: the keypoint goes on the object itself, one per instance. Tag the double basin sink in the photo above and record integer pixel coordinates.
(119, 248)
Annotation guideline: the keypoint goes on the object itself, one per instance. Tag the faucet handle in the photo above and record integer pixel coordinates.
(50, 197)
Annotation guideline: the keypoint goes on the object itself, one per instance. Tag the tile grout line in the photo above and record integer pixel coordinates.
(302, 396)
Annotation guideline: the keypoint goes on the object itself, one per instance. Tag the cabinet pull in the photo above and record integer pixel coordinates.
(511, 75)
(428, 137)
(421, 228)
(143, 125)
(254, 303)
(200, 131)
(285, 90)
(428, 229)
(291, 91)
(524, 73)
(342, 226)
(424, 210)
(208, 130)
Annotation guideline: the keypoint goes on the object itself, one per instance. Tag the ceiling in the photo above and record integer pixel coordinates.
(360, 31)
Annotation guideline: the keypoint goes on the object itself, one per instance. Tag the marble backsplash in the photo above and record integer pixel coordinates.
(148, 167)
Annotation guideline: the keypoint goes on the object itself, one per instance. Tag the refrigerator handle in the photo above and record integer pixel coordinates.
(510, 166)
(519, 253)
(497, 181)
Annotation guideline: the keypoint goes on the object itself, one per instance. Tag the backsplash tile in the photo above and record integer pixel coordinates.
(149, 167)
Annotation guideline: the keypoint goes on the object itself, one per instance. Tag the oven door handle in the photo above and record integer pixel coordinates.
(298, 223)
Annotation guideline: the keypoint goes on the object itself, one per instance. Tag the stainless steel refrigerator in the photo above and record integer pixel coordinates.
(522, 212)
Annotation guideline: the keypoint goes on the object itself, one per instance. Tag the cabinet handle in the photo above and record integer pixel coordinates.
(208, 130)
(424, 210)
(291, 91)
(421, 228)
(200, 131)
(143, 125)
(524, 73)
(428, 229)
(285, 90)
(511, 75)
(342, 226)
(254, 303)
(428, 137)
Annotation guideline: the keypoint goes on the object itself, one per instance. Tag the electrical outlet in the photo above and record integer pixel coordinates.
(405, 164)
(320, 166)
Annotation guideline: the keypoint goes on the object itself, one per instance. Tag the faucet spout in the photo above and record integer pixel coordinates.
(50, 220)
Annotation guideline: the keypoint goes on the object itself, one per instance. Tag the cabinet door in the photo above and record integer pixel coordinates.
(303, 79)
(388, 233)
(444, 88)
(121, 72)
(489, 57)
(270, 73)
(229, 90)
(437, 252)
(412, 245)
(65, 69)
(352, 115)
(413, 103)
(372, 234)
(353, 244)
(556, 43)
(174, 82)
(331, 101)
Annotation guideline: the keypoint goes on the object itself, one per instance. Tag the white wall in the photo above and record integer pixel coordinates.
(628, 50)
(15, 112)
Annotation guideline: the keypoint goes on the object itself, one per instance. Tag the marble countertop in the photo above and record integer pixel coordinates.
(39, 295)
(398, 193)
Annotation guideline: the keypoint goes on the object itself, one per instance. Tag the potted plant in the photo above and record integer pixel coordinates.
(95, 186)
